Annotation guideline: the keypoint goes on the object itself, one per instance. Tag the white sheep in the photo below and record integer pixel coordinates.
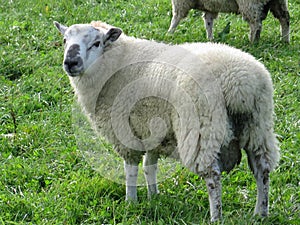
(253, 11)
(203, 102)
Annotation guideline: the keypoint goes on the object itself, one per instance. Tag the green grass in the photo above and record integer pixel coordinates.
(44, 177)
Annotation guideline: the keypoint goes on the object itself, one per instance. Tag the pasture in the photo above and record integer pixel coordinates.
(44, 178)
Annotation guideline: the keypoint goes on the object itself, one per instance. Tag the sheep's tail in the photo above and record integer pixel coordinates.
(257, 133)
(249, 101)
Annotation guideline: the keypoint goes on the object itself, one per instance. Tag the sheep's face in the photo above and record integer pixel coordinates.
(83, 45)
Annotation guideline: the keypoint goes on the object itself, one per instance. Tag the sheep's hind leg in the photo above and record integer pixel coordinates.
(150, 171)
(214, 187)
(131, 172)
(209, 23)
(261, 171)
(280, 12)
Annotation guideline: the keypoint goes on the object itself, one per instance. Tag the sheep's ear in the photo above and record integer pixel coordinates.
(62, 28)
(112, 35)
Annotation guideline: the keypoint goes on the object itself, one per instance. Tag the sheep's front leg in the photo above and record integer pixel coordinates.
(214, 188)
(179, 12)
(150, 171)
(209, 23)
(174, 23)
(131, 172)
(255, 30)
(261, 171)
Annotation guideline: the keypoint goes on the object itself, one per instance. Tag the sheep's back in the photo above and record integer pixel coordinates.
(216, 6)
(243, 79)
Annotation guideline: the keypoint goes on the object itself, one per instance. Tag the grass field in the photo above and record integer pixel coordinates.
(44, 178)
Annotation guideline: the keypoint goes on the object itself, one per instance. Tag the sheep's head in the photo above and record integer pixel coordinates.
(83, 45)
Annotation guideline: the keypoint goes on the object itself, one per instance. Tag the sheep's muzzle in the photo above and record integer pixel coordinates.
(73, 63)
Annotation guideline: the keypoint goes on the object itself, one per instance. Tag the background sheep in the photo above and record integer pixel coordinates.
(204, 102)
(254, 12)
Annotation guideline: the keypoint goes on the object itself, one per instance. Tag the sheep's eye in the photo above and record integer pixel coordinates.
(96, 44)
(65, 40)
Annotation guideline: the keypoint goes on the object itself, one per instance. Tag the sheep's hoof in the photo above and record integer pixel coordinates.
(131, 200)
(171, 31)
(215, 219)
(262, 213)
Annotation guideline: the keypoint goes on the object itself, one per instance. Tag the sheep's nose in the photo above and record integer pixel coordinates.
(73, 66)
(73, 63)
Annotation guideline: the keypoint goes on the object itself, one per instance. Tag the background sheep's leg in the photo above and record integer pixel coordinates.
(131, 172)
(150, 171)
(174, 22)
(214, 187)
(255, 30)
(179, 10)
(261, 171)
(280, 11)
(209, 23)
(253, 14)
